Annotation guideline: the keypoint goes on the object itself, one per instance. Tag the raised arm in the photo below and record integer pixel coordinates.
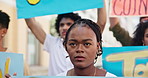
(101, 20)
(36, 29)
(119, 33)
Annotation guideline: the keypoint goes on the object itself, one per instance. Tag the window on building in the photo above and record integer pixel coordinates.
(33, 49)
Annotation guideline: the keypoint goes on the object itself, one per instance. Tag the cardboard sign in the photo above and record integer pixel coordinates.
(126, 61)
(129, 8)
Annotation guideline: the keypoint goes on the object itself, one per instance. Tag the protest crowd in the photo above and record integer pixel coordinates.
(99, 39)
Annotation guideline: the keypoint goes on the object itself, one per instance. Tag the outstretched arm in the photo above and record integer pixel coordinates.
(101, 20)
(120, 33)
(36, 29)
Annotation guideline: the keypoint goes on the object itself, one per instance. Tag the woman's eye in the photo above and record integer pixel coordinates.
(87, 44)
(72, 44)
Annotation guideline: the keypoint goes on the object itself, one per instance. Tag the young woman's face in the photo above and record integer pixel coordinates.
(145, 40)
(82, 46)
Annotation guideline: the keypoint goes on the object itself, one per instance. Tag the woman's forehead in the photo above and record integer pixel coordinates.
(81, 31)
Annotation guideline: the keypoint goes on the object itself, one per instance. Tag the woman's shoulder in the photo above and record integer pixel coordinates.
(110, 75)
(107, 74)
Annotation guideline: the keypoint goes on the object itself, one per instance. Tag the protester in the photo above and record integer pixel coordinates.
(59, 62)
(121, 34)
(4, 25)
(141, 35)
(83, 43)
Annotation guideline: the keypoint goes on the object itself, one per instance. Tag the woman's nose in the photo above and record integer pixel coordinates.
(80, 48)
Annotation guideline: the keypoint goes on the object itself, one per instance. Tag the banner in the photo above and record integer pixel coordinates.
(129, 8)
(33, 8)
(11, 63)
(126, 61)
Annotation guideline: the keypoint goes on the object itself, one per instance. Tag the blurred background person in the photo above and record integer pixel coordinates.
(4, 25)
(123, 36)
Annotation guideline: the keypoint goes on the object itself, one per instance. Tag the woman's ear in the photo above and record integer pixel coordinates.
(4, 31)
(98, 45)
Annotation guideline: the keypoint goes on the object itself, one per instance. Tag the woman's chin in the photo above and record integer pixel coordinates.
(79, 65)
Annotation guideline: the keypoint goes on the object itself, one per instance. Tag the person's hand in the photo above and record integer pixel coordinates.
(9, 76)
(113, 21)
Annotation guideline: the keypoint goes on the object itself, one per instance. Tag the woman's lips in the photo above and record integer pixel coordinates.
(79, 58)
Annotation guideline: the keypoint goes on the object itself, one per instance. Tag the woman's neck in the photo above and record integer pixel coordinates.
(92, 71)
(89, 71)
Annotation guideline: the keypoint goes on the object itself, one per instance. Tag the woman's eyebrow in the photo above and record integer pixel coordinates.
(87, 40)
(82, 40)
(72, 40)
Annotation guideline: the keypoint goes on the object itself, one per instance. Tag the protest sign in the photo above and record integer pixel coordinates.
(11, 63)
(128, 8)
(126, 61)
(33, 8)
